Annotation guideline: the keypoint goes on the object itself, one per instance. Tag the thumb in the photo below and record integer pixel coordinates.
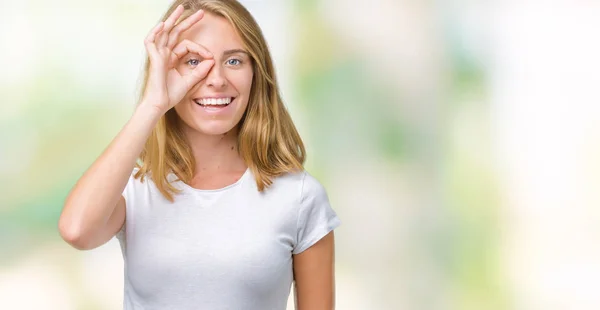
(200, 72)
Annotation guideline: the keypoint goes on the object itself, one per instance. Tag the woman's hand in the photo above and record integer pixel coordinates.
(166, 86)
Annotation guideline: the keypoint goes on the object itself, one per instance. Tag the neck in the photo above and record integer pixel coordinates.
(215, 153)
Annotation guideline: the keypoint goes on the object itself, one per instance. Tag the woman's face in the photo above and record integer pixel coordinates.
(206, 108)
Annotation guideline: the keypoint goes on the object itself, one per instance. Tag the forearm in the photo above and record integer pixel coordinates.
(94, 197)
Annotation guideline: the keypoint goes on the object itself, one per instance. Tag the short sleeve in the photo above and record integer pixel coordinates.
(316, 217)
(128, 196)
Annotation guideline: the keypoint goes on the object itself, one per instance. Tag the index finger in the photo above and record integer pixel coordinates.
(163, 40)
(183, 26)
(186, 46)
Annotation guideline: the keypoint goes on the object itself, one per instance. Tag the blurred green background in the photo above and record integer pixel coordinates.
(458, 142)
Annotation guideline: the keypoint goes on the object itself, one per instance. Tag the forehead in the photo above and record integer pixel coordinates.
(213, 32)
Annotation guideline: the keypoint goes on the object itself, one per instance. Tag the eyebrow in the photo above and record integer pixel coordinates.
(235, 51)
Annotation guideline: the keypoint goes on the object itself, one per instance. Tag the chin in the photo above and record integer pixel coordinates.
(214, 129)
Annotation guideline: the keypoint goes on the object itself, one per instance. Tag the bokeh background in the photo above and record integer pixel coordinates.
(459, 142)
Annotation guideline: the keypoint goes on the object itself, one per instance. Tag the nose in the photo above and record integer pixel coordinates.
(216, 77)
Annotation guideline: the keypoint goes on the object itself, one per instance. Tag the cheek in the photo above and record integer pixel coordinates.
(242, 81)
(184, 110)
(179, 110)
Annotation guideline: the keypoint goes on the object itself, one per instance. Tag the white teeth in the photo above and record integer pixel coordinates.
(214, 101)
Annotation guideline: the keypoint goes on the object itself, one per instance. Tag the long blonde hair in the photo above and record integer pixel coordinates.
(268, 140)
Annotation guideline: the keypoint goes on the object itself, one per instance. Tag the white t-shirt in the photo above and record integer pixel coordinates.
(229, 248)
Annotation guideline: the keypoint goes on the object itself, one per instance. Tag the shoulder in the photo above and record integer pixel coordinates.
(138, 186)
(301, 184)
(311, 187)
(138, 181)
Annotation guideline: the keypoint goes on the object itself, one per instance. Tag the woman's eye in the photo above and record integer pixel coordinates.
(193, 62)
(234, 62)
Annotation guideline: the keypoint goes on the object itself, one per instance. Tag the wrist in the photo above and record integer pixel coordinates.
(148, 112)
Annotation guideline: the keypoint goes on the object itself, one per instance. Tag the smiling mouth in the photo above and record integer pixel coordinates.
(214, 102)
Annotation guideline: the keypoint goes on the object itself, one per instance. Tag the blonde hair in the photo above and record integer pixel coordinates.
(267, 141)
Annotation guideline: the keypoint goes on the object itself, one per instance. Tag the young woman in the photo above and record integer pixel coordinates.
(204, 187)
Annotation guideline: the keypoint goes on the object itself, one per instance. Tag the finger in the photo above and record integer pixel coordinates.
(186, 46)
(149, 41)
(164, 36)
(199, 73)
(183, 26)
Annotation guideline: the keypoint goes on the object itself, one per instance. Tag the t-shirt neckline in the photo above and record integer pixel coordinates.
(216, 190)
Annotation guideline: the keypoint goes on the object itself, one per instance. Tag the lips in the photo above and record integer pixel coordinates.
(214, 101)
(215, 106)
